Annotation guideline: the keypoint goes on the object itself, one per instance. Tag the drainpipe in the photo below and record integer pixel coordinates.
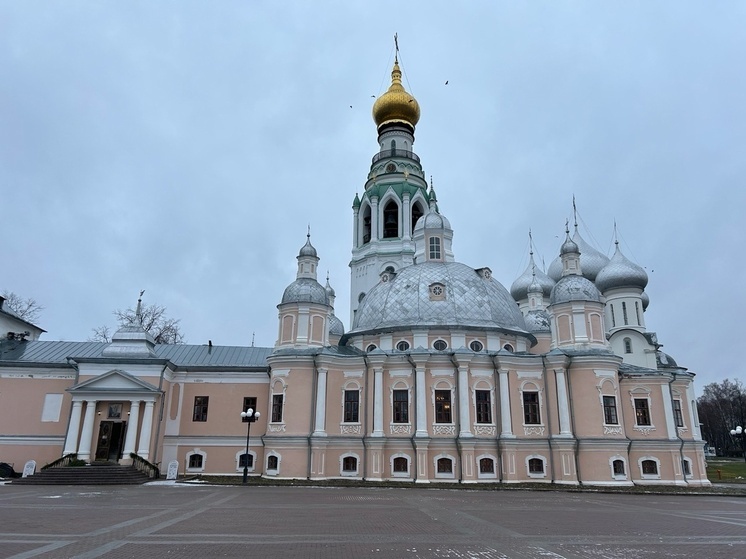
(549, 415)
(414, 415)
(499, 424)
(74, 365)
(572, 421)
(314, 391)
(365, 418)
(160, 415)
(458, 418)
(678, 436)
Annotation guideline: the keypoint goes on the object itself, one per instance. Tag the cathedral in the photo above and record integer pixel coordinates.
(444, 375)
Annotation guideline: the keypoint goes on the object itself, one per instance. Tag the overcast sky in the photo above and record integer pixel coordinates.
(184, 147)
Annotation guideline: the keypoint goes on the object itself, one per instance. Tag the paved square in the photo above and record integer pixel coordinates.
(154, 521)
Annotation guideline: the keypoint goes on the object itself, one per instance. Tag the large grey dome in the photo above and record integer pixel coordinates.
(621, 272)
(469, 300)
(574, 288)
(305, 290)
(591, 260)
(538, 321)
(519, 289)
(432, 220)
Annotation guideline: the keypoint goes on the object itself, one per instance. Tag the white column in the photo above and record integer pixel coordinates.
(73, 429)
(318, 430)
(406, 219)
(355, 227)
(505, 420)
(463, 402)
(147, 425)
(421, 404)
(563, 404)
(378, 402)
(374, 219)
(86, 438)
(131, 438)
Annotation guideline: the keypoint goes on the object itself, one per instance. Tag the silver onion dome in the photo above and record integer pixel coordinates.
(537, 322)
(591, 260)
(439, 294)
(574, 288)
(645, 300)
(336, 328)
(432, 220)
(520, 287)
(308, 249)
(305, 290)
(621, 272)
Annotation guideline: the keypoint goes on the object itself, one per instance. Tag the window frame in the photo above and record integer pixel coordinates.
(248, 402)
(434, 248)
(531, 461)
(400, 408)
(351, 405)
(443, 406)
(531, 410)
(201, 407)
(642, 411)
(611, 417)
(483, 407)
(678, 413)
(278, 408)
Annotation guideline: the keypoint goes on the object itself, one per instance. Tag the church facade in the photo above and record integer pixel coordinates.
(443, 376)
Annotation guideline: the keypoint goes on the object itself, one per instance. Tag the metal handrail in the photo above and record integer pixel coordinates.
(395, 153)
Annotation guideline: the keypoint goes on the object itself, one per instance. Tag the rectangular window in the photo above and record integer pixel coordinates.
(678, 416)
(277, 402)
(642, 411)
(352, 406)
(484, 406)
(401, 406)
(624, 312)
(531, 414)
(442, 406)
(434, 248)
(610, 417)
(248, 402)
(200, 408)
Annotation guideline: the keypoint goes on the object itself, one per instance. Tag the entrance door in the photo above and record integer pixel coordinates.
(110, 440)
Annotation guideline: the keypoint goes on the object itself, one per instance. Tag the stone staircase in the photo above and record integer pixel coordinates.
(97, 473)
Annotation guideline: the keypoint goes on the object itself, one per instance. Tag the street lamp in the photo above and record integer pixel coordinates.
(250, 416)
(741, 435)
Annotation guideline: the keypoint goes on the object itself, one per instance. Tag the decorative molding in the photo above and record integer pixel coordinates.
(276, 427)
(604, 373)
(401, 429)
(353, 374)
(481, 373)
(280, 373)
(533, 431)
(400, 373)
(644, 430)
(529, 374)
(485, 430)
(441, 372)
(440, 429)
(346, 429)
(612, 430)
(682, 429)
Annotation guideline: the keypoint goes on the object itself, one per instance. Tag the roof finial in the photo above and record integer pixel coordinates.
(138, 311)
(396, 45)
(567, 227)
(530, 243)
(252, 339)
(616, 236)
(574, 211)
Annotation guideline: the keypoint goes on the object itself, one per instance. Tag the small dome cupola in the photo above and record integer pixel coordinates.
(308, 259)
(330, 294)
(570, 256)
(132, 340)
(621, 272)
(591, 260)
(521, 286)
(306, 288)
(396, 106)
(433, 238)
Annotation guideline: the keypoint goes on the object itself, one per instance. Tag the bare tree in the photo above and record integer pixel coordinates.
(152, 318)
(722, 407)
(27, 309)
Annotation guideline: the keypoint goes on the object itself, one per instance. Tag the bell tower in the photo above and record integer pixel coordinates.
(395, 195)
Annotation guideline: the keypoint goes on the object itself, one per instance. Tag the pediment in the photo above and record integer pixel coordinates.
(113, 381)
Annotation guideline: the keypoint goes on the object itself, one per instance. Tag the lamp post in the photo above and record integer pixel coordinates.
(249, 416)
(739, 433)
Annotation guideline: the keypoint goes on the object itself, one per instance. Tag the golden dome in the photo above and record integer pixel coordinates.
(396, 105)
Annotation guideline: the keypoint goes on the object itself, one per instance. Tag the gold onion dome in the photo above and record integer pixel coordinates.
(396, 105)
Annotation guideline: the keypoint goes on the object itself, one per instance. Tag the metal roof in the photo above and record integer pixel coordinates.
(181, 355)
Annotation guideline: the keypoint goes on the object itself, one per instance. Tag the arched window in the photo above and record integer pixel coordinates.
(627, 345)
(486, 466)
(391, 220)
(393, 147)
(637, 312)
(273, 462)
(440, 345)
(371, 347)
(245, 461)
(349, 464)
(476, 345)
(613, 318)
(508, 347)
(401, 464)
(649, 467)
(618, 467)
(366, 225)
(445, 466)
(624, 312)
(536, 466)
(195, 461)
(402, 345)
(417, 213)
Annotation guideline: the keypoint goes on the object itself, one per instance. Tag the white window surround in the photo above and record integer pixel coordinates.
(482, 385)
(640, 393)
(658, 467)
(204, 460)
(691, 468)
(278, 388)
(349, 473)
(240, 453)
(443, 428)
(273, 471)
(493, 474)
(618, 477)
(444, 475)
(352, 386)
(536, 475)
(528, 386)
(409, 465)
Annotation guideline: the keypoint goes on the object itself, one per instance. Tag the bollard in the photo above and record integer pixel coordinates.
(720, 477)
